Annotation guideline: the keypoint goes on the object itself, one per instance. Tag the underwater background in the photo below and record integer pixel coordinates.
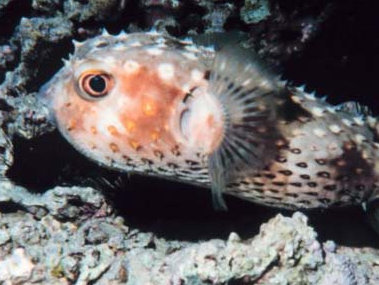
(100, 227)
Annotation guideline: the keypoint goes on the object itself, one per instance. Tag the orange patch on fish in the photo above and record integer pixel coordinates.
(130, 125)
(149, 108)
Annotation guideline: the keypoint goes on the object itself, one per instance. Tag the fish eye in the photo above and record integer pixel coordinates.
(95, 84)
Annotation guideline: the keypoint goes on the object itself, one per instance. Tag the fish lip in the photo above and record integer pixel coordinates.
(184, 118)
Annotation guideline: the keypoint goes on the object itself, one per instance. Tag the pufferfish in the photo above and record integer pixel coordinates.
(152, 104)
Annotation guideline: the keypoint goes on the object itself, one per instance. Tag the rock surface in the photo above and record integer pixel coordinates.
(71, 234)
(74, 234)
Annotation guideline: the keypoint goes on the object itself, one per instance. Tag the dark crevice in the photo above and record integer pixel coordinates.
(10, 207)
(341, 61)
(45, 69)
(11, 15)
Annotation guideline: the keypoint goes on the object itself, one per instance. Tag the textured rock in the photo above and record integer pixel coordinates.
(255, 11)
(79, 239)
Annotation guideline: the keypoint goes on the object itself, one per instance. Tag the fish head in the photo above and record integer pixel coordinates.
(126, 102)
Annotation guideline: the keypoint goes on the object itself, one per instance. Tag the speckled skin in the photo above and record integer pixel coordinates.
(322, 155)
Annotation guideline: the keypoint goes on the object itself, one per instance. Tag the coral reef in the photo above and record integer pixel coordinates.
(71, 234)
(74, 234)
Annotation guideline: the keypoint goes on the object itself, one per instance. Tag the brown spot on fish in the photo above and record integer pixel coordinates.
(280, 143)
(158, 154)
(323, 174)
(114, 147)
(175, 150)
(154, 136)
(305, 202)
(293, 195)
(270, 176)
(286, 172)
(321, 161)
(172, 165)
(126, 158)
(278, 183)
(147, 161)
(92, 146)
(281, 159)
(135, 145)
(295, 150)
(314, 194)
(71, 125)
(302, 164)
(330, 187)
(325, 200)
(93, 130)
(305, 176)
(112, 130)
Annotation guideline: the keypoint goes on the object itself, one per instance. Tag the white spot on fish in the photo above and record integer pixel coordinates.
(109, 117)
(166, 71)
(331, 109)
(298, 132)
(246, 82)
(359, 139)
(110, 59)
(333, 146)
(358, 121)
(187, 41)
(154, 51)
(309, 96)
(136, 44)
(319, 132)
(371, 121)
(131, 66)
(186, 88)
(196, 75)
(346, 122)
(189, 55)
(120, 47)
(296, 99)
(335, 129)
(192, 48)
(318, 112)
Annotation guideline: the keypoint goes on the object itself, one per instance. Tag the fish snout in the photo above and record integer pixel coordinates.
(201, 122)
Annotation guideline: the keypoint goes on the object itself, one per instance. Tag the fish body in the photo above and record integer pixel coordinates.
(151, 104)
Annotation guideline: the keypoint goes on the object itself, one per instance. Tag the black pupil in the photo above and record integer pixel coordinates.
(97, 83)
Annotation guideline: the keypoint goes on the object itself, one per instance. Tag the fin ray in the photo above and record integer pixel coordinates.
(247, 95)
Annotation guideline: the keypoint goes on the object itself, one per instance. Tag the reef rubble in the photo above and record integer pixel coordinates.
(72, 235)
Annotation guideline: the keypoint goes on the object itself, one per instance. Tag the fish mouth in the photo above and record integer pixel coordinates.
(184, 121)
(201, 121)
(186, 112)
